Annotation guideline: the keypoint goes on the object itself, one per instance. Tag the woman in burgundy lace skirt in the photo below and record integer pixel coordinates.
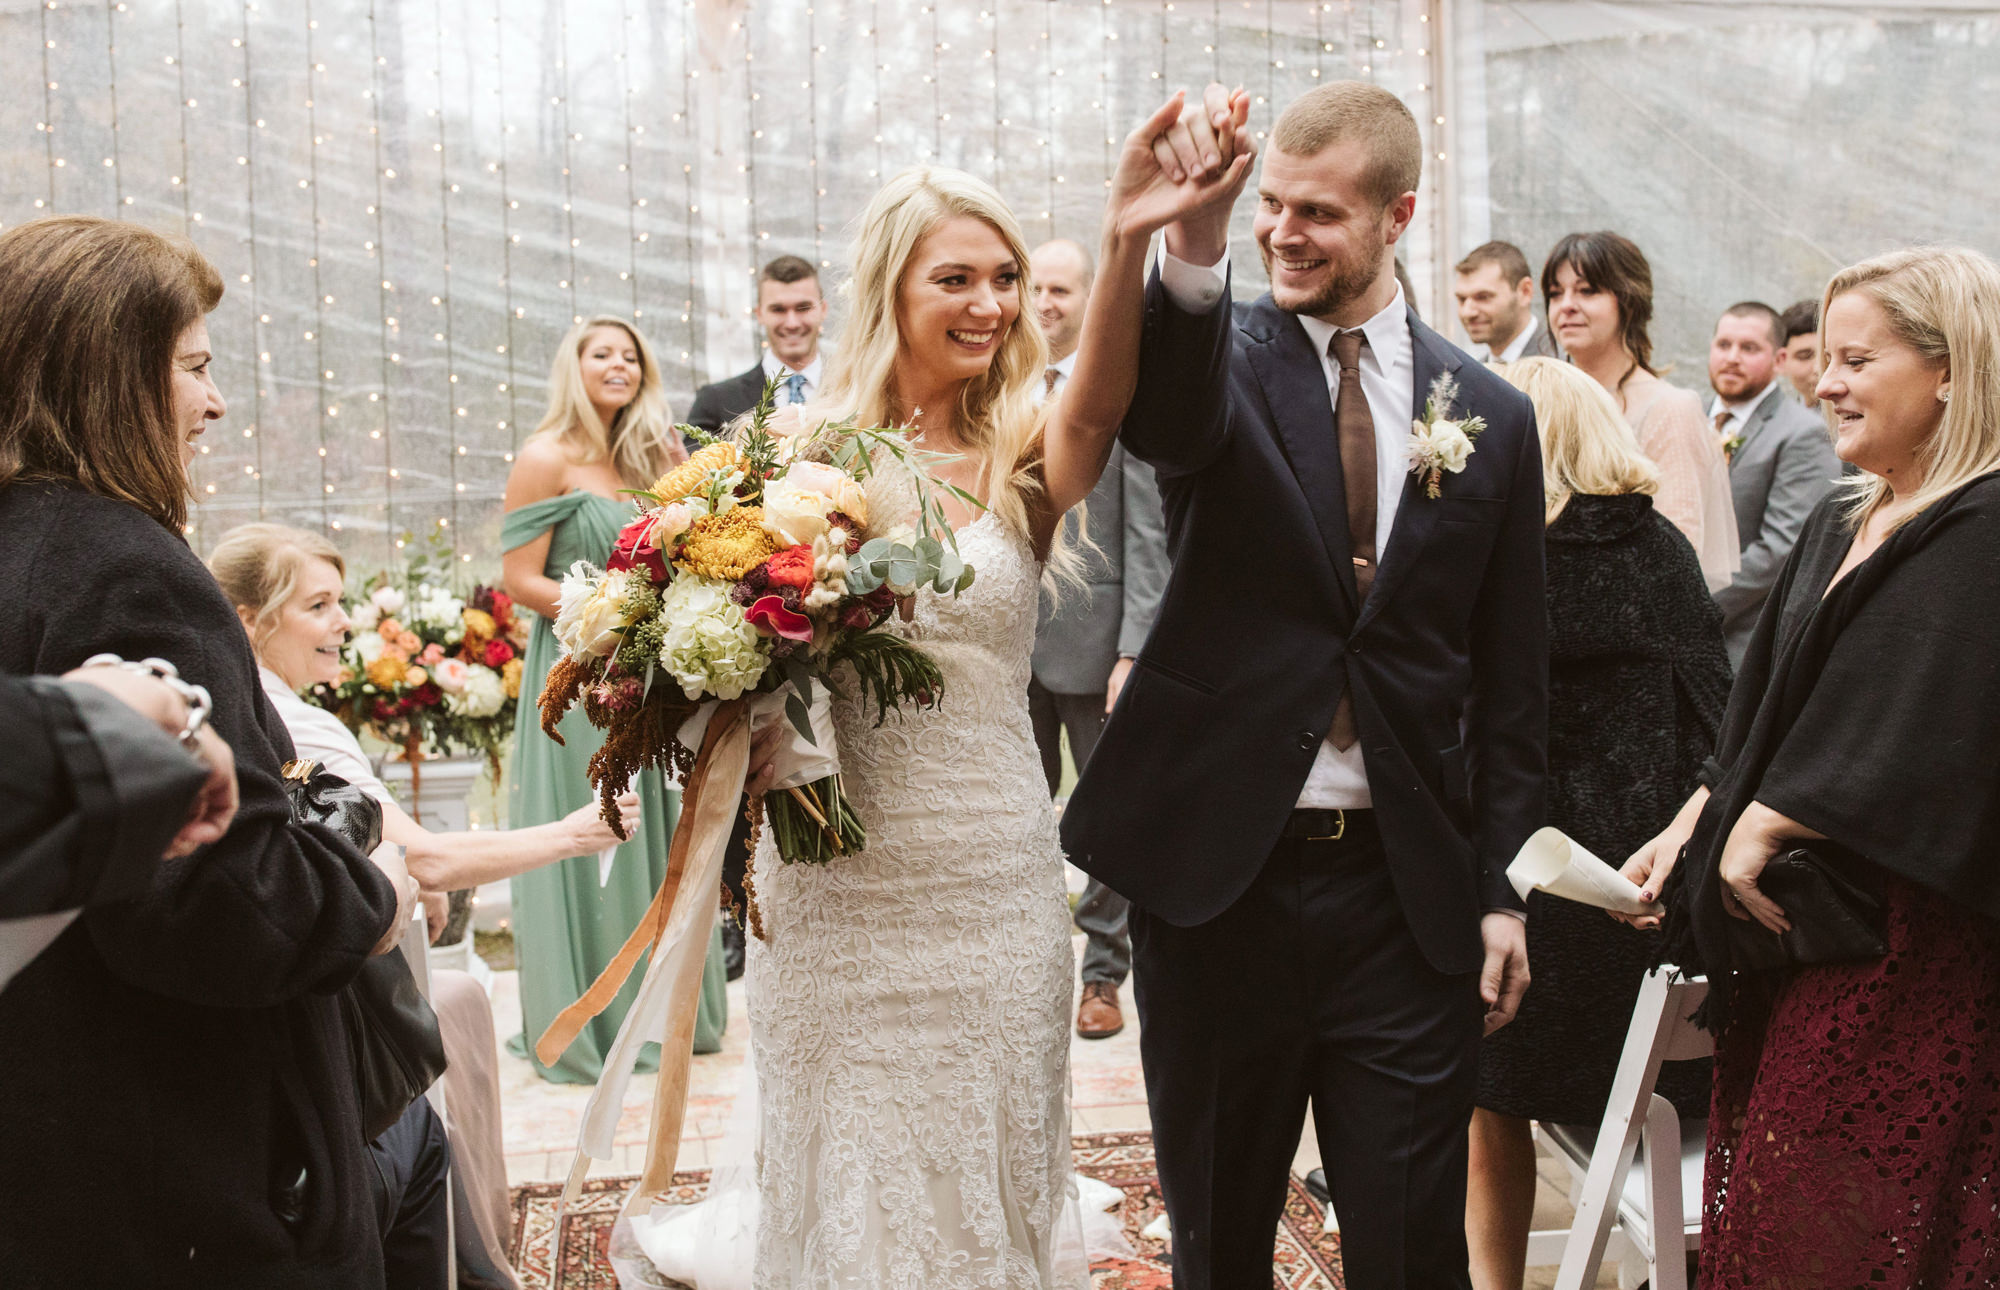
(1855, 1132)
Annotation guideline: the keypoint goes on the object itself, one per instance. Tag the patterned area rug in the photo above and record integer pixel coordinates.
(574, 1255)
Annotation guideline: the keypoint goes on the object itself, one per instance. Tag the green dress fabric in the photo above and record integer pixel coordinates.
(567, 927)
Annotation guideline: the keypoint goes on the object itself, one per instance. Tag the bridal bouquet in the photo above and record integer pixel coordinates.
(424, 666)
(754, 571)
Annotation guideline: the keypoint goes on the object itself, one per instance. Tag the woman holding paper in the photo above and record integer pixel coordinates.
(1856, 1125)
(1637, 681)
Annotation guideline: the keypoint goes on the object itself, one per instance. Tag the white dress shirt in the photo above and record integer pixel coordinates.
(775, 368)
(318, 736)
(1062, 370)
(1515, 347)
(1388, 380)
(1739, 413)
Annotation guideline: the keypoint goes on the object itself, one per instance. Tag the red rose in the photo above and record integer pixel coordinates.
(498, 654)
(634, 551)
(791, 567)
(770, 617)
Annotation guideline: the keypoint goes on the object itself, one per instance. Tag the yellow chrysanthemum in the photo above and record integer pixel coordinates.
(387, 671)
(479, 624)
(510, 677)
(727, 546)
(683, 479)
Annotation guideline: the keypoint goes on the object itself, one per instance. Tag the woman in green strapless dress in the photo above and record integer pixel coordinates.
(562, 498)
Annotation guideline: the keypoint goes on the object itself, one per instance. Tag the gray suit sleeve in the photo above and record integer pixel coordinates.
(1146, 564)
(1806, 469)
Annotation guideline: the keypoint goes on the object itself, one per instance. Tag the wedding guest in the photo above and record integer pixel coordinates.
(287, 584)
(1798, 357)
(1495, 292)
(1085, 642)
(1780, 459)
(1855, 1130)
(1637, 683)
(100, 785)
(791, 311)
(183, 1048)
(607, 429)
(1598, 288)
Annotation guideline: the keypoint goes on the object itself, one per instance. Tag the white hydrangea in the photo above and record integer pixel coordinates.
(435, 607)
(709, 648)
(483, 696)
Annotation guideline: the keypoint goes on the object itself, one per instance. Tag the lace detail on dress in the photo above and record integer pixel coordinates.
(911, 1008)
(1855, 1134)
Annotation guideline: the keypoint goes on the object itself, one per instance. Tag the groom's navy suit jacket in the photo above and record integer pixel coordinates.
(1260, 631)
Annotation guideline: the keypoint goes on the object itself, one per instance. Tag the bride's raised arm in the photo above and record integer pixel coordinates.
(1181, 160)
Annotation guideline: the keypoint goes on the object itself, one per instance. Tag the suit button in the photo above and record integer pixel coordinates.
(1308, 741)
(1354, 647)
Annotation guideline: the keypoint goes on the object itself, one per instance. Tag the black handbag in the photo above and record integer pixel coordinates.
(1832, 900)
(392, 1034)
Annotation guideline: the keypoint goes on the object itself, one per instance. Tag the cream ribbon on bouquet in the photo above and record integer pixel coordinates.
(675, 927)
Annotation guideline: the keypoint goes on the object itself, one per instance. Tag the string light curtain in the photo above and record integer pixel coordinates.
(411, 200)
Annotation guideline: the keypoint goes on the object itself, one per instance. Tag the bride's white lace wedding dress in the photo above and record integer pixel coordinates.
(911, 1007)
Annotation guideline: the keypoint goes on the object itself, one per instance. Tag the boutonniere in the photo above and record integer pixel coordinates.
(1440, 442)
(1730, 443)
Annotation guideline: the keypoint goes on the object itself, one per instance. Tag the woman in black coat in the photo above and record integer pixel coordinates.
(1638, 678)
(177, 1106)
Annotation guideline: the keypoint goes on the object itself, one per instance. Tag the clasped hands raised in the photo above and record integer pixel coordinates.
(1186, 160)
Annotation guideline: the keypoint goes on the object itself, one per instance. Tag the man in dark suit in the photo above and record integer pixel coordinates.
(792, 311)
(1780, 454)
(1496, 305)
(1317, 772)
(1085, 641)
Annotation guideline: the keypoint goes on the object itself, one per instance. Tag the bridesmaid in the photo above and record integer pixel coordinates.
(607, 429)
(1599, 291)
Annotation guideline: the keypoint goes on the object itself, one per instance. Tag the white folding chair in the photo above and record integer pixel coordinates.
(1644, 1213)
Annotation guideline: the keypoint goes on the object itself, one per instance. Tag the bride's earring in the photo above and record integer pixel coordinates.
(1944, 395)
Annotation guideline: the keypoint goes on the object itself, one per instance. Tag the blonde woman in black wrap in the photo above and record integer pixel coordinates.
(1855, 1131)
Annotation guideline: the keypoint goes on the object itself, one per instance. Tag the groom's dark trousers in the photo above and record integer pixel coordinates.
(1275, 967)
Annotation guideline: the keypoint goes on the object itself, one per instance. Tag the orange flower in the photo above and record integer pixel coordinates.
(409, 642)
(388, 629)
(510, 677)
(479, 625)
(416, 676)
(387, 672)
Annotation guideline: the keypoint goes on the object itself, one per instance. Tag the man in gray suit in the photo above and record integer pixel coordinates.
(1780, 455)
(1495, 294)
(1085, 645)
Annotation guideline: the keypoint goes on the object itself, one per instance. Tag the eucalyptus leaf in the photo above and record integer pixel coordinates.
(873, 549)
(905, 573)
(964, 580)
(929, 549)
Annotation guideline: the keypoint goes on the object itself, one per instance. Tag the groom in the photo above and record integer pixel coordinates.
(1334, 738)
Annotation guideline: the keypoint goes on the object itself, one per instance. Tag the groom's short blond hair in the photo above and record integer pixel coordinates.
(1360, 112)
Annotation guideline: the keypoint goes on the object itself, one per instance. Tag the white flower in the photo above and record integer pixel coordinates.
(483, 696)
(793, 514)
(591, 610)
(709, 648)
(388, 600)
(1450, 444)
(451, 674)
(367, 647)
(438, 609)
(365, 616)
(669, 522)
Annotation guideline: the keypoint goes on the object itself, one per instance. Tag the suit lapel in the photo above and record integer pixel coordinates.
(1416, 514)
(1760, 418)
(1294, 385)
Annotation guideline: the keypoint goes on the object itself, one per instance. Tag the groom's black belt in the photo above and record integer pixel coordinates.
(1312, 824)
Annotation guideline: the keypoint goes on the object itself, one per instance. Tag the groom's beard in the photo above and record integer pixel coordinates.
(1346, 282)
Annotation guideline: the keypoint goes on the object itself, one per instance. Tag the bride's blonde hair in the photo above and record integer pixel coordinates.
(997, 419)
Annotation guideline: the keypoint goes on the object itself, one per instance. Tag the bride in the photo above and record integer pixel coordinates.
(910, 1004)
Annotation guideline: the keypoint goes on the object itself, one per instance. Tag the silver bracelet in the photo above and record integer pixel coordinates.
(199, 705)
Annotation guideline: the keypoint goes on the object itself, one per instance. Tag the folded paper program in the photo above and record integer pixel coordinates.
(1549, 861)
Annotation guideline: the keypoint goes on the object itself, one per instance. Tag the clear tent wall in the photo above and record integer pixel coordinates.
(411, 200)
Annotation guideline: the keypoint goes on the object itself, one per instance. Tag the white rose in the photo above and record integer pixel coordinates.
(388, 600)
(365, 616)
(591, 613)
(1451, 445)
(792, 514)
(367, 647)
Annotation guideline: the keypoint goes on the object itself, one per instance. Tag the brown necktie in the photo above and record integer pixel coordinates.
(1721, 420)
(1049, 381)
(1356, 429)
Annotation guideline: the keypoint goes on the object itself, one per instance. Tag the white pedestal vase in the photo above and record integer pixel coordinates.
(439, 803)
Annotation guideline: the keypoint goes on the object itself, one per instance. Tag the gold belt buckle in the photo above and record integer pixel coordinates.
(1339, 829)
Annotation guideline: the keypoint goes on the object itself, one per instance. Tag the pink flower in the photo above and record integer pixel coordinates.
(450, 674)
(771, 618)
(432, 653)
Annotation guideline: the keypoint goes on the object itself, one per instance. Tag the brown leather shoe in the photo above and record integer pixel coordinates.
(1097, 1014)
